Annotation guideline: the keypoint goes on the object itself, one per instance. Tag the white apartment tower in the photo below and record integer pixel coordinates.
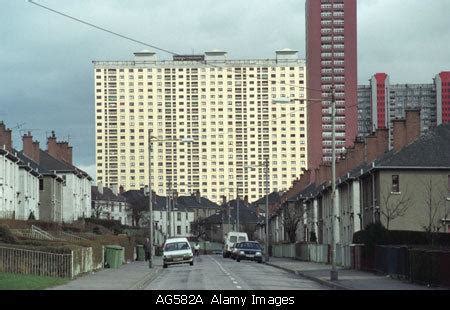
(227, 107)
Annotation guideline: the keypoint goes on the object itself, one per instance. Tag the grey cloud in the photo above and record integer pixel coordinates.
(46, 74)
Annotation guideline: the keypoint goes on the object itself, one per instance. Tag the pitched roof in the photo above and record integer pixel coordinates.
(193, 202)
(28, 164)
(274, 197)
(246, 216)
(108, 195)
(431, 150)
(139, 198)
(48, 163)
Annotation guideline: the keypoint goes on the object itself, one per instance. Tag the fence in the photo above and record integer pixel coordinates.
(423, 266)
(67, 236)
(67, 265)
(38, 263)
(343, 256)
(318, 253)
(34, 233)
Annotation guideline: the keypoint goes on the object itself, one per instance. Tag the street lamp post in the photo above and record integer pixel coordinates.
(266, 172)
(266, 164)
(333, 272)
(237, 209)
(150, 203)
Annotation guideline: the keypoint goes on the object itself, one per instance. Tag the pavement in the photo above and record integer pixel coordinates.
(213, 272)
(347, 279)
(132, 276)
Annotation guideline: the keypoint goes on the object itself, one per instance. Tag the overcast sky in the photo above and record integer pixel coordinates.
(46, 72)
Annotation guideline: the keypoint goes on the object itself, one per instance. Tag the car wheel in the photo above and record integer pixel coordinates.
(165, 266)
(238, 260)
(191, 263)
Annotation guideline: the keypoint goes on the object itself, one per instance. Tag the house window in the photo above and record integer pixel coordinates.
(395, 184)
(187, 230)
(178, 216)
(41, 184)
(178, 230)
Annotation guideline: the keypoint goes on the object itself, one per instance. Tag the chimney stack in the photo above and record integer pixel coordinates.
(52, 146)
(100, 188)
(59, 150)
(121, 189)
(30, 147)
(377, 144)
(406, 130)
(5, 137)
(413, 125)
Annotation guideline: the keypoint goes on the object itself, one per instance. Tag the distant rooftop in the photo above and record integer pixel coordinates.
(216, 58)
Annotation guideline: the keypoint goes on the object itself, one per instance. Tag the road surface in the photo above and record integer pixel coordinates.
(212, 272)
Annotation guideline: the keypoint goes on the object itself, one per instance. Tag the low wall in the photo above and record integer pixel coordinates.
(318, 253)
(343, 256)
(283, 250)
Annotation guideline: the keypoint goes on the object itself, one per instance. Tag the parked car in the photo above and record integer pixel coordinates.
(234, 251)
(177, 251)
(250, 250)
(230, 239)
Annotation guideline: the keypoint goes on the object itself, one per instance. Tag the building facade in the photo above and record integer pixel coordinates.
(109, 205)
(331, 53)
(381, 102)
(405, 188)
(227, 107)
(19, 182)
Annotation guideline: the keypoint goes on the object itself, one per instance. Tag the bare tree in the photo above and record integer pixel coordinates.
(249, 229)
(199, 229)
(292, 216)
(97, 208)
(394, 205)
(434, 204)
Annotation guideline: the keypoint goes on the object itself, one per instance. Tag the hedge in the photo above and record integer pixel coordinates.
(376, 234)
(6, 235)
(113, 225)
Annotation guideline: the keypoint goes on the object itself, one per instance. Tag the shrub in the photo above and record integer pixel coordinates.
(7, 236)
(112, 225)
(376, 234)
(31, 217)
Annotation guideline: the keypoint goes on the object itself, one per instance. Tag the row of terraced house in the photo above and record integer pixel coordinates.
(41, 184)
(404, 187)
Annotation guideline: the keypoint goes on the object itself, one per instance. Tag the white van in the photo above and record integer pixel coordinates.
(177, 251)
(231, 239)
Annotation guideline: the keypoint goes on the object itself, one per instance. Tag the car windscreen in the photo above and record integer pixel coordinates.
(250, 245)
(241, 239)
(233, 239)
(176, 246)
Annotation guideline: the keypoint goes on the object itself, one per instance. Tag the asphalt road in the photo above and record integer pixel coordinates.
(212, 272)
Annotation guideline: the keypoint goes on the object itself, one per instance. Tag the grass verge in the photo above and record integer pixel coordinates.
(9, 281)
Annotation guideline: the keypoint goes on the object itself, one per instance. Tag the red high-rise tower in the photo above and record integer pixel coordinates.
(443, 97)
(331, 53)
